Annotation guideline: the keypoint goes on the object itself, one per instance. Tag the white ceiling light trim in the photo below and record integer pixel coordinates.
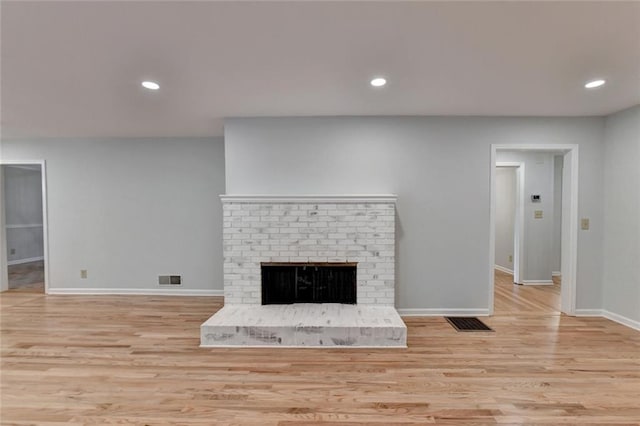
(594, 84)
(151, 85)
(378, 82)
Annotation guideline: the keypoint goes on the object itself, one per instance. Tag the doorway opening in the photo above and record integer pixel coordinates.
(509, 230)
(24, 227)
(533, 228)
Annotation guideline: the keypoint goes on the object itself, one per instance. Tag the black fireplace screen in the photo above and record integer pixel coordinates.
(286, 283)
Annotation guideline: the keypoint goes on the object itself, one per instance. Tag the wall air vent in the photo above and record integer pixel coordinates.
(169, 280)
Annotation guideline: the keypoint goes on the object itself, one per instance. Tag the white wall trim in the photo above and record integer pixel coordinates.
(603, 313)
(45, 225)
(27, 260)
(588, 312)
(31, 225)
(518, 234)
(561, 148)
(492, 228)
(45, 216)
(537, 282)
(556, 274)
(569, 252)
(503, 269)
(434, 312)
(137, 291)
(354, 198)
(621, 319)
(569, 213)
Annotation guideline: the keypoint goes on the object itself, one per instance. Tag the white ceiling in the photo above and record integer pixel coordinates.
(73, 69)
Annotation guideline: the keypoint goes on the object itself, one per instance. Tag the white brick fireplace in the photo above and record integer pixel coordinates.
(355, 229)
(309, 229)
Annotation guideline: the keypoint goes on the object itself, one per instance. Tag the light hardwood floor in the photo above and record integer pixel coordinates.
(70, 360)
(27, 276)
(513, 299)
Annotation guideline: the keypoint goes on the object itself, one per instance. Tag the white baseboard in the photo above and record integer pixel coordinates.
(588, 312)
(610, 316)
(503, 269)
(556, 273)
(537, 282)
(431, 312)
(137, 291)
(27, 260)
(621, 319)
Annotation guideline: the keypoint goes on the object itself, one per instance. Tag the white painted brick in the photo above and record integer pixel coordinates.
(309, 232)
(327, 206)
(337, 236)
(289, 230)
(316, 236)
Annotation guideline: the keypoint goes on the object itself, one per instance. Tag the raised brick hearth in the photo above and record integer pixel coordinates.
(356, 229)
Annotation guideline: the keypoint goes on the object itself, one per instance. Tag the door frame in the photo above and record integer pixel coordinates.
(518, 222)
(569, 238)
(45, 223)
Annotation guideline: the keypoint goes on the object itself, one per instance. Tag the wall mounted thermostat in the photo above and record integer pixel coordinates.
(535, 198)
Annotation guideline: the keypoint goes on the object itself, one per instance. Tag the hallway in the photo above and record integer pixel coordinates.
(511, 298)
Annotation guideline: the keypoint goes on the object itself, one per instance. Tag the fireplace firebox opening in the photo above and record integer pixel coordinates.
(287, 283)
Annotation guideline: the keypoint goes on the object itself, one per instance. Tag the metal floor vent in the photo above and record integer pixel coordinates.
(468, 324)
(169, 280)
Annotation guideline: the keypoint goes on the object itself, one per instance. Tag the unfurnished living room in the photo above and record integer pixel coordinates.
(318, 212)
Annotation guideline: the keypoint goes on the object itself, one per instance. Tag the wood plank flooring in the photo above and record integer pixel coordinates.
(27, 276)
(510, 298)
(75, 360)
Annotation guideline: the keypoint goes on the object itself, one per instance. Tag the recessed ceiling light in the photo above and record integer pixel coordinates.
(594, 83)
(378, 82)
(151, 85)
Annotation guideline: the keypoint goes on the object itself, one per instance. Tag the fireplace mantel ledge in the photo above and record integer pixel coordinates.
(340, 198)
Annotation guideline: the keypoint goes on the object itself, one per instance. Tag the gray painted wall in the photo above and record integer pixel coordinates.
(439, 167)
(621, 272)
(556, 253)
(128, 210)
(538, 233)
(4, 281)
(23, 207)
(505, 215)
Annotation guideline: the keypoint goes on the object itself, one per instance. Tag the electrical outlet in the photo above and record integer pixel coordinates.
(510, 258)
(584, 223)
(537, 214)
(12, 251)
(83, 273)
